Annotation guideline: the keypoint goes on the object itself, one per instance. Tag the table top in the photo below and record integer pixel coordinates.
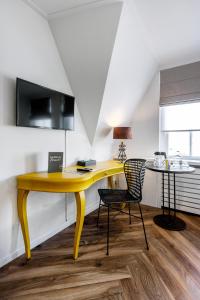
(69, 180)
(172, 169)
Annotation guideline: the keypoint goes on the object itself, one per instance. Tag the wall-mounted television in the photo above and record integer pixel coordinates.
(40, 107)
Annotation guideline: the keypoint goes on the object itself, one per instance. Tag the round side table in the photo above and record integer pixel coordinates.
(169, 221)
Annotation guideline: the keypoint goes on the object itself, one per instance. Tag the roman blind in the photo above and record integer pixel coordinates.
(180, 84)
(180, 117)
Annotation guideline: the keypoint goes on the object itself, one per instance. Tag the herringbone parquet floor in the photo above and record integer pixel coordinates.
(169, 270)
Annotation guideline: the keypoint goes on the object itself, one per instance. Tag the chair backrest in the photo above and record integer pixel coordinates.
(134, 170)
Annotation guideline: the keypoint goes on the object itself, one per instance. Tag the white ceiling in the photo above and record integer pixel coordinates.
(171, 27)
(50, 7)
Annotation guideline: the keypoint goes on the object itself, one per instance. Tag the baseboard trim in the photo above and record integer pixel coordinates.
(5, 260)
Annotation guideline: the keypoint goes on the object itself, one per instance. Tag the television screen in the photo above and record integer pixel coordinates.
(41, 107)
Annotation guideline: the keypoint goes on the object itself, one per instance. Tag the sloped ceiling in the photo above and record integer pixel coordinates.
(173, 29)
(111, 52)
(85, 41)
(53, 6)
(107, 61)
(131, 70)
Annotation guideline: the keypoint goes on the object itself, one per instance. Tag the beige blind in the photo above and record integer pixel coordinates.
(180, 84)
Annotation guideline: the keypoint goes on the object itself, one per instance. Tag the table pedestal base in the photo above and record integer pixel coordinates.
(169, 222)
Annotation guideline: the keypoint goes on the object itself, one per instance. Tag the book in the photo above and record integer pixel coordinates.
(55, 162)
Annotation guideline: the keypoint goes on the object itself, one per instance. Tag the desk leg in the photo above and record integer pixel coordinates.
(22, 213)
(80, 215)
(111, 184)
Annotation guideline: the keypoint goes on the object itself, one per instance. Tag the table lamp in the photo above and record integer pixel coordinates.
(122, 133)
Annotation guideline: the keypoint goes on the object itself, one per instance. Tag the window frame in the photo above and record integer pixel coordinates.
(166, 138)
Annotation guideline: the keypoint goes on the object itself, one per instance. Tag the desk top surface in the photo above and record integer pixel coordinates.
(71, 173)
(70, 178)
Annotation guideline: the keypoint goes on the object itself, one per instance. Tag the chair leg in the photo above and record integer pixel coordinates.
(143, 227)
(129, 209)
(99, 212)
(108, 228)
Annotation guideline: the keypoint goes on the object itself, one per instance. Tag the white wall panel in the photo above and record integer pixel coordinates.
(28, 50)
(146, 138)
(85, 40)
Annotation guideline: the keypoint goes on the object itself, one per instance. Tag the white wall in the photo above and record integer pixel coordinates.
(85, 39)
(146, 137)
(28, 51)
(131, 69)
(109, 66)
(146, 121)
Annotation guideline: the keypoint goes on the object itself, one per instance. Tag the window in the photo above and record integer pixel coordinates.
(179, 142)
(186, 143)
(195, 143)
(180, 129)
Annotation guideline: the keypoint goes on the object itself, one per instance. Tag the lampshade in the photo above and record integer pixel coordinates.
(122, 133)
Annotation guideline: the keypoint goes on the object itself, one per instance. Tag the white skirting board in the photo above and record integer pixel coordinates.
(5, 260)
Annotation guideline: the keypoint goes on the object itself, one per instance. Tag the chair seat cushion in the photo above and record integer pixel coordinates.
(109, 196)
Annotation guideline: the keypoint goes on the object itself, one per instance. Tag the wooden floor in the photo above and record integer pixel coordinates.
(169, 270)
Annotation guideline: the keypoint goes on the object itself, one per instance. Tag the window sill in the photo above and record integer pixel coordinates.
(192, 162)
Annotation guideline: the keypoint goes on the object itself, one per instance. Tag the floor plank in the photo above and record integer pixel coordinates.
(169, 270)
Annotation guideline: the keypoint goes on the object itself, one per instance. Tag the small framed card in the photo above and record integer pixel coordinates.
(55, 162)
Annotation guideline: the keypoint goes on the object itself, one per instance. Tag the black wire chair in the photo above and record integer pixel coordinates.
(134, 170)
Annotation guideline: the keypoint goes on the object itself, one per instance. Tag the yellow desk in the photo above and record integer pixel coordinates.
(68, 181)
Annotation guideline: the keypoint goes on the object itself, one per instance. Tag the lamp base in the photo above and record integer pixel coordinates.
(122, 152)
